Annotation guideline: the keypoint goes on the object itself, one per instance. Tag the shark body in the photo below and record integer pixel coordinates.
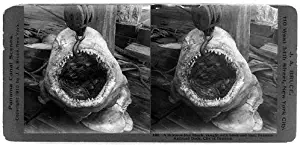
(87, 83)
(217, 82)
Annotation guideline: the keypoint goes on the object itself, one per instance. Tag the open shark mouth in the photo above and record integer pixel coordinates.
(212, 75)
(86, 81)
(83, 76)
(215, 80)
(211, 78)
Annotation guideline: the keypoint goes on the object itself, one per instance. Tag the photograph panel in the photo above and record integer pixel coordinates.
(213, 68)
(87, 68)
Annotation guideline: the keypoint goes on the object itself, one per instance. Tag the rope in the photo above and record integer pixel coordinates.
(39, 69)
(139, 70)
(75, 46)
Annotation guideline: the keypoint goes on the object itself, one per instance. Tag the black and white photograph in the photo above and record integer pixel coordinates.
(150, 72)
(87, 69)
(213, 68)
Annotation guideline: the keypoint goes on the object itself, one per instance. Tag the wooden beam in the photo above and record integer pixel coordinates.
(236, 20)
(262, 29)
(259, 41)
(104, 22)
(141, 52)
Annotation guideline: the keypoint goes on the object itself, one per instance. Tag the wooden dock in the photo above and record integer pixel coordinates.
(52, 119)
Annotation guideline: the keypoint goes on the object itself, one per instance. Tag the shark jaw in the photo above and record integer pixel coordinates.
(84, 80)
(211, 79)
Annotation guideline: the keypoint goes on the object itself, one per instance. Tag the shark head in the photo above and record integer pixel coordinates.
(212, 77)
(215, 78)
(87, 82)
(86, 77)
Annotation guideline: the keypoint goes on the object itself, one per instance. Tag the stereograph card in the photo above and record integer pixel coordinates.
(140, 72)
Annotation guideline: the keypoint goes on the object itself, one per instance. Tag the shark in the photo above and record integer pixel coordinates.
(214, 79)
(86, 81)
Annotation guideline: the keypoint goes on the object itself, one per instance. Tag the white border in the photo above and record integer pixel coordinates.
(8, 3)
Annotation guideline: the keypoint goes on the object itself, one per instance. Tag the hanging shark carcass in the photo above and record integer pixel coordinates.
(87, 82)
(214, 79)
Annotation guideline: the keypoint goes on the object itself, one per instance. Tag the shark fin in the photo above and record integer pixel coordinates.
(171, 45)
(41, 46)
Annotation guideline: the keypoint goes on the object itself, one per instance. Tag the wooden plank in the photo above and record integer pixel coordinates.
(42, 21)
(268, 112)
(186, 117)
(104, 21)
(160, 104)
(162, 82)
(270, 47)
(262, 29)
(55, 119)
(260, 58)
(259, 41)
(185, 120)
(51, 13)
(144, 36)
(31, 103)
(159, 128)
(138, 51)
(37, 126)
(268, 86)
(275, 36)
(145, 72)
(172, 18)
(34, 58)
(265, 54)
(162, 58)
(138, 89)
(236, 20)
(58, 119)
(56, 10)
(167, 126)
(126, 30)
(47, 19)
(170, 12)
(139, 111)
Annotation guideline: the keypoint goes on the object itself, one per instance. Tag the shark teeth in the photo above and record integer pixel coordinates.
(218, 99)
(86, 51)
(193, 60)
(227, 58)
(88, 99)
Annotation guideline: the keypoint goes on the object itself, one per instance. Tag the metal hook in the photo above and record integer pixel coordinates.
(75, 46)
(204, 44)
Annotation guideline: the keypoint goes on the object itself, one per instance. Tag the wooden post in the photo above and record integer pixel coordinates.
(236, 20)
(104, 22)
